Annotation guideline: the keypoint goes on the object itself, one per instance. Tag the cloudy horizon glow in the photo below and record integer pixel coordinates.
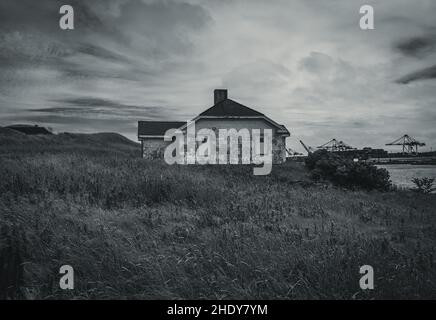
(304, 63)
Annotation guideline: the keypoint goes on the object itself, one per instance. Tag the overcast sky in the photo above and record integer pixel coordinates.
(304, 63)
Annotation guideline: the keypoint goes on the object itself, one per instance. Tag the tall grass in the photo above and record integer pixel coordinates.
(142, 229)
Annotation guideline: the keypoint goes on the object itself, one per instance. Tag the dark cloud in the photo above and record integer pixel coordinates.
(96, 107)
(417, 46)
(423, 74)
(101, 53)
(134, 32)
(91, 102)
(119, 49)
(316, 62)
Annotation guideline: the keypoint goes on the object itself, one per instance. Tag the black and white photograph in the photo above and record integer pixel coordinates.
(218, 151)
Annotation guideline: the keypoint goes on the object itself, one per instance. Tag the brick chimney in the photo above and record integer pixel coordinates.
(220, 95)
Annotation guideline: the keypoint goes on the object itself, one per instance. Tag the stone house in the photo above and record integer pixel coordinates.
(224, 114)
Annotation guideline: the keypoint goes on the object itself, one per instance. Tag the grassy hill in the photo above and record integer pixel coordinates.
(133, 228)
(12, 141)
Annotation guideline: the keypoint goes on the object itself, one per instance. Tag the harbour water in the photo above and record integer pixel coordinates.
(402, 174)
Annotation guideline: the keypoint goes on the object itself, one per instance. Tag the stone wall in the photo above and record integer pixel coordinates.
(153, 148)
(278, 146)
(279, 149)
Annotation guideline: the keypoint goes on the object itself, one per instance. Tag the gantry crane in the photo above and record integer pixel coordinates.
(409, 144)
(335, 145)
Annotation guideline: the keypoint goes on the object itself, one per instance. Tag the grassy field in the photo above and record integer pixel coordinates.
(141, 229)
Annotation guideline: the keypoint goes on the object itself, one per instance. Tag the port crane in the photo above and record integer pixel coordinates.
(309, 149)
(335, 145)
(409, 144)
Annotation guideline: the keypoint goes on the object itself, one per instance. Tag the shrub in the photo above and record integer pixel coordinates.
(347, 173)
(423, 185)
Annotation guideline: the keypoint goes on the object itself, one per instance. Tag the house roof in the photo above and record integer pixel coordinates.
(226, 108)
(29, 129)
(230, 108)
(157, 128)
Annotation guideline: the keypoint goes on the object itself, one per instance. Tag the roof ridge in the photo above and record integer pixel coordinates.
(245, 106)
(221, 107)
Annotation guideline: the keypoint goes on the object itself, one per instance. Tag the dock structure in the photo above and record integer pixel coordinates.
(409, 144)
(335, 146)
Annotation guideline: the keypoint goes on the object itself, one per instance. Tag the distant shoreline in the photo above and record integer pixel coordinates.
(409, 160)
